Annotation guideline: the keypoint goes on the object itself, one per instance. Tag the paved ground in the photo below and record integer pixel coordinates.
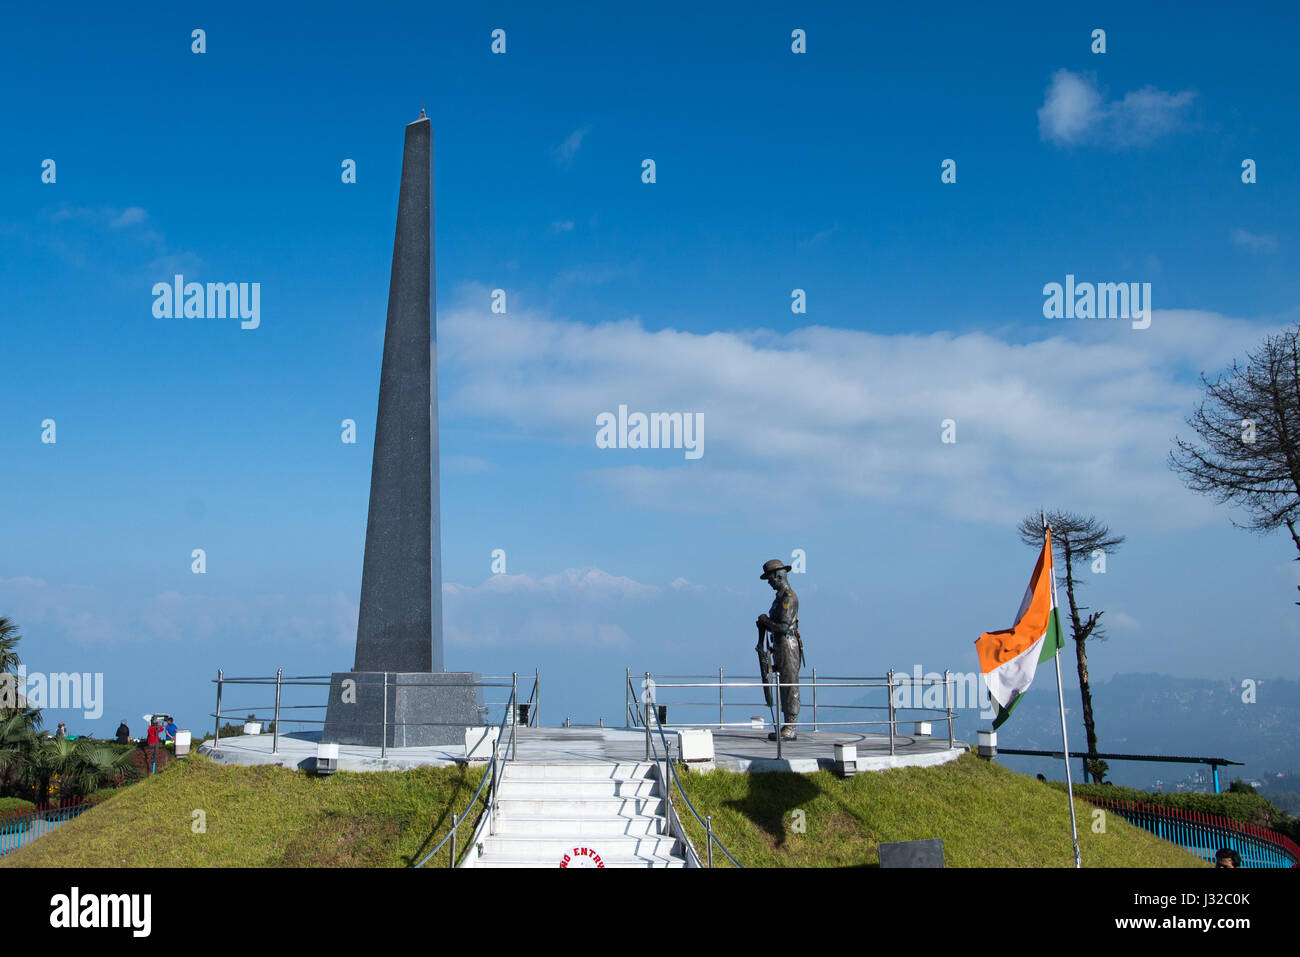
(737, 749)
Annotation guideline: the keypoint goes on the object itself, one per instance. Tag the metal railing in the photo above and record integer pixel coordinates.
(280, 682)
(1205, 834)
(21, 826)
(670, 774)
(1086, 756)
(492, 773)
(894, 684)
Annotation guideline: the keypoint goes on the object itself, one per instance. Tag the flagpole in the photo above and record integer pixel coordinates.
(1065, 742)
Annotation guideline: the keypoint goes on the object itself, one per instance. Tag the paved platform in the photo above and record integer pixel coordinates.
(736, 749)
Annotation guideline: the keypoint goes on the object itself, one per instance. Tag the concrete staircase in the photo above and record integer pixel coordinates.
(609, 812)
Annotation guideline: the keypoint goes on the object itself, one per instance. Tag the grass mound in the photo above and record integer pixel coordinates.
(986, 815)
(200, 814)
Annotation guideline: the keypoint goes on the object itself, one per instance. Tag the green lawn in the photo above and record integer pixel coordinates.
(263, 817)
(986, 815)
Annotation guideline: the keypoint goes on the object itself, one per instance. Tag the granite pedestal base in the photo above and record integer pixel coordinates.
(424, 708)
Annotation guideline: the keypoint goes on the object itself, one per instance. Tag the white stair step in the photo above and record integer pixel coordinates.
(580, 808)
(609, 862)
(585, 828)
(609, 847)
(577, 788)
(515, 771)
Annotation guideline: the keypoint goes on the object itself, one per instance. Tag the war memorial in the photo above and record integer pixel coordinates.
(554, 790)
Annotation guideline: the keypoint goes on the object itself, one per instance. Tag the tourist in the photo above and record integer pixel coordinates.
(152, 739)
(123, 733)
(62, 731)
(171, 729)
(1226, 857)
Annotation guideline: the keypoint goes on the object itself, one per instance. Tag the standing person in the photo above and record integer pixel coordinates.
(152, 742)
(123, 733)
(62, 731)
(171, 728)
(778, 638)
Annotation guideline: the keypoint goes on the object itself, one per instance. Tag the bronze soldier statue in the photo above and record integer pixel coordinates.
(779, 645)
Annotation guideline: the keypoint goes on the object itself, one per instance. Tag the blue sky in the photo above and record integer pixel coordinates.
(775, 171)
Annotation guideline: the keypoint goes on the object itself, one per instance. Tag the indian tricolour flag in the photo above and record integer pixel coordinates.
(1010, 658)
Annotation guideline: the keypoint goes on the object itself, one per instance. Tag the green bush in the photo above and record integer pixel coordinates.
(1248, 808)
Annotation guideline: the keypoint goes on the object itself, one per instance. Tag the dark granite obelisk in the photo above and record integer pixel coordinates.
(399, 627)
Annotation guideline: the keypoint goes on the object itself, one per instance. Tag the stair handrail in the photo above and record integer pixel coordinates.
(493, 771)
(672, 771)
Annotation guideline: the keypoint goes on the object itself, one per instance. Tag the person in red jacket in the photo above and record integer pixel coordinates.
(152, 742)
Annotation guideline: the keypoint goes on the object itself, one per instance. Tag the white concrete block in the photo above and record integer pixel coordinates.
(252, 727)
(923, 728)
(479, 743)
(183, 739)
(695, 745)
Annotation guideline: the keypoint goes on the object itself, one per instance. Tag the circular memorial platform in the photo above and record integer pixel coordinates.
(735, 749)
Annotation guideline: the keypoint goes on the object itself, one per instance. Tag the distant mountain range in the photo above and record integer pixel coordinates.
(1158, 714)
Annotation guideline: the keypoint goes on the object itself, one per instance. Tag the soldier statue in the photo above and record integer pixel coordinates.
(779, 646)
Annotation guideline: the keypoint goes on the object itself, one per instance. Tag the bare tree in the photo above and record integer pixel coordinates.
(1076, 538)
(1249, 429)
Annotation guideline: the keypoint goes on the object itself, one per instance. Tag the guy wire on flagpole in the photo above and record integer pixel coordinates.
(1060, 697)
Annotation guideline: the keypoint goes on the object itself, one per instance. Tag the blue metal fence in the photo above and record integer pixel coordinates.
(1205, 834)
(19, 828)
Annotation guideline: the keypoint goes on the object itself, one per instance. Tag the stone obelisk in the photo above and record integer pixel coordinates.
(399, 627)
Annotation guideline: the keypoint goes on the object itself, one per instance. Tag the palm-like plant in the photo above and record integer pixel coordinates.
(9, 663)
(94, 766)
(9, 638)
(16, 734)
(81, 766)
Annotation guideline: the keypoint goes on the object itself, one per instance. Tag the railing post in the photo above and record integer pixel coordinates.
(890, 680)
(383, 731)
(627, 696)
(647, 705)
(514, 718)
(721, 717)
(780, 715)
(814, 699)
(216, 729)
(708, 830)
(947, 704)
(275, 731)
(537, 712)
(451, 862)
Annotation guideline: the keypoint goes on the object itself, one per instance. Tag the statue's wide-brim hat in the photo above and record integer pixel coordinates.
(771, 566)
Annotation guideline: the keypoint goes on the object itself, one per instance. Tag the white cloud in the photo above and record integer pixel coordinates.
(1257, 244)
(1075, 112)
(129, 216)
(1083, 413)
(681, 584)
(578, 606)
(566, 151)
(562, 226)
